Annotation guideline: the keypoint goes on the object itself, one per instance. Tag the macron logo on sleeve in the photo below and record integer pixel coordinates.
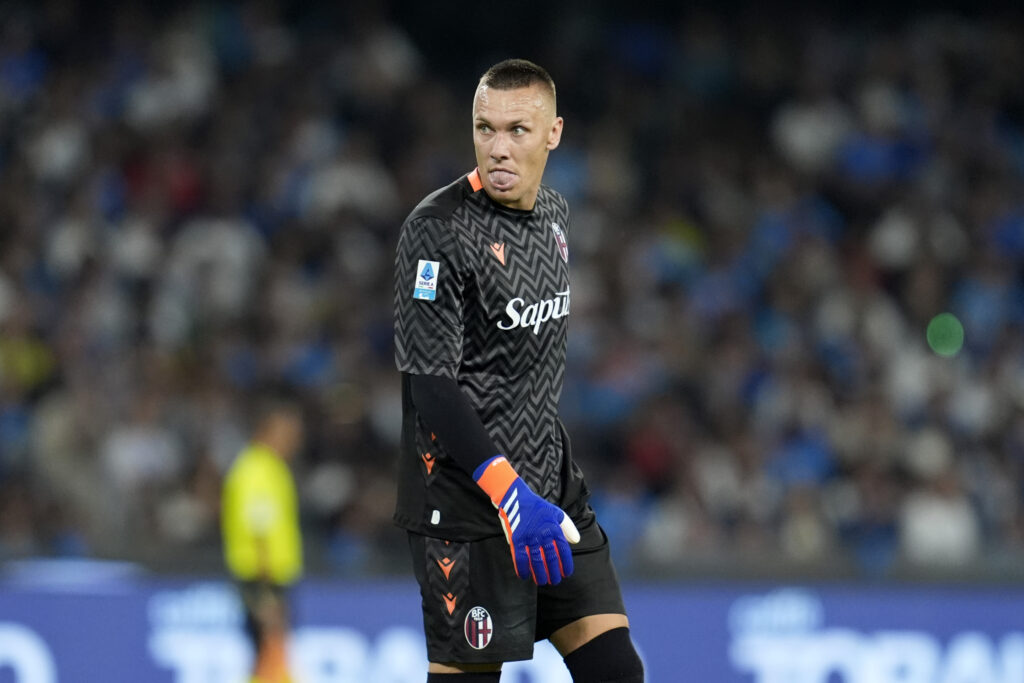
(426, 280)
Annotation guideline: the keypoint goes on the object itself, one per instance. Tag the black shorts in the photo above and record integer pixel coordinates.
(476, 610)
(252, 592)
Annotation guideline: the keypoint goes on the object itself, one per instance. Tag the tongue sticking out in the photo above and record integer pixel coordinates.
(502, 180)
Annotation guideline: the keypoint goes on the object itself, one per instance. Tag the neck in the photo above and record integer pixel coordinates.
(270, 445)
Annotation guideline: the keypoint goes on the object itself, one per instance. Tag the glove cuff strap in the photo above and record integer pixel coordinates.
(495, 477)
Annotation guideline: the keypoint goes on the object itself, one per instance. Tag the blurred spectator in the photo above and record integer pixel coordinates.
(939, 527)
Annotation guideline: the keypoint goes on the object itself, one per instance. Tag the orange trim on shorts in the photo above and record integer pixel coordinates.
(474, 180)
(496, 480)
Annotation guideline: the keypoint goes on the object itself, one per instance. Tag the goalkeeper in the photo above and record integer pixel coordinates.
(505, 547)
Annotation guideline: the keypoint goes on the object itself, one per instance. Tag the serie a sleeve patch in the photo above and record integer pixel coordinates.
(427, 273)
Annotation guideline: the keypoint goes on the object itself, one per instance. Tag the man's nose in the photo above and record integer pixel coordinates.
(499, 149)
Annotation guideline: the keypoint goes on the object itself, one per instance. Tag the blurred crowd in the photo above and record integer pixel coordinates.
(199, 205)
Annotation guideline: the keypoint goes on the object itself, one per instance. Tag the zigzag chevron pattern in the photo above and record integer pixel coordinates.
(513, 377)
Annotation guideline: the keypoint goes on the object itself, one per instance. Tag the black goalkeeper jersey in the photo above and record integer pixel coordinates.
(482, 297)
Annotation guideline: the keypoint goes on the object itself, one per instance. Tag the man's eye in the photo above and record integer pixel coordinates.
(518, 130)
(484, 128)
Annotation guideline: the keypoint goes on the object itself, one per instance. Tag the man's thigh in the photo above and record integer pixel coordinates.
(593, 587)
(475, 608)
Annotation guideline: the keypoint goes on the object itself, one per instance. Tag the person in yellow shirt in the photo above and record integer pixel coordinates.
(262, 539)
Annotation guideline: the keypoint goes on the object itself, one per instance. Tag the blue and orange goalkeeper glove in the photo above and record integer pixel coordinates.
(538, 532)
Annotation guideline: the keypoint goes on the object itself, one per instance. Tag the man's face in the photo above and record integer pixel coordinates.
(513, 131)
(285, 430)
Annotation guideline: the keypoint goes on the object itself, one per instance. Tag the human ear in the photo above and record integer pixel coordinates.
(555, 134)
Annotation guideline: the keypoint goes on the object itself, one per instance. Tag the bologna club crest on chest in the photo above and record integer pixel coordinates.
(563, 246)
(479, 628)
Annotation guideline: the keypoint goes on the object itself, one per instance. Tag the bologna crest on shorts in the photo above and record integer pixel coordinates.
(479, 628)
(563, 246)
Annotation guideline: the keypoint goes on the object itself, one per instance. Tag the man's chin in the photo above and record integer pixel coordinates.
(503, 195)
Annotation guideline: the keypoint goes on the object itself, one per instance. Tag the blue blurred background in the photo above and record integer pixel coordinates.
(199, 205)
